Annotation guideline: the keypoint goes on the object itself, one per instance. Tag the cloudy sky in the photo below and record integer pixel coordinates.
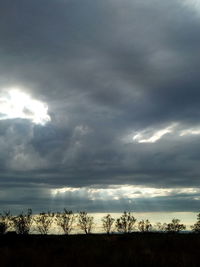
(100, 105)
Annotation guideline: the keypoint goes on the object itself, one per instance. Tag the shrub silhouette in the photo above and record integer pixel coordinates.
(5, 222)
(65, 220)
(22, 222)
(196, 227)
(107, 223)
(43, 222)
(144, 226)
(85, 222)
(3, 228)
(125, 224)
(160, 227)
(175, 226)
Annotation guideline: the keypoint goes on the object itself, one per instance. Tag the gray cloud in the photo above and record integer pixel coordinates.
(107, 70)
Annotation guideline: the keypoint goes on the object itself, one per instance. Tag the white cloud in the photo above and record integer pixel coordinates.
(121, 192)
(139, 137)
(16, 104)
(148, 136)
(191, 131)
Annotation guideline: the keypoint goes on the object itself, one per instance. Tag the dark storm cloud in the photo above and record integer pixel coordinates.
(107, 70)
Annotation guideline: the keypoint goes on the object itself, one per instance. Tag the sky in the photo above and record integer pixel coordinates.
(100, 105)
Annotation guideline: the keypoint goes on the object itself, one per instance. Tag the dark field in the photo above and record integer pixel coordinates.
(137, 249)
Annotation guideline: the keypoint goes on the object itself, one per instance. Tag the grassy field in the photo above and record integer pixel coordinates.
(152, 249)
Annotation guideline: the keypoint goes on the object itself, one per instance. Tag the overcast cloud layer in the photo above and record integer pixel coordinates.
(121, 82)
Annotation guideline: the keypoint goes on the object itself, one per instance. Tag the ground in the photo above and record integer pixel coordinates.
(152, 249)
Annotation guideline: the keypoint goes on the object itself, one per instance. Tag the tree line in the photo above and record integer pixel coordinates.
(25, 223)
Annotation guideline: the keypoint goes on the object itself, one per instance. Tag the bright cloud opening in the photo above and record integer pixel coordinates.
(148, 136)
(155, 137)
(16, 104)
(122, 192)
(190, 132)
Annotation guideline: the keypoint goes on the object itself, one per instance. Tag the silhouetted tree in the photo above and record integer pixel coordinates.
(43, 222)
(22, 222)
(144, 226)
(107, 223)
(160, 227)
(196, 227)
(125, 224)
(85, 222)
(175, 226)
(65, 220)
(5, 222)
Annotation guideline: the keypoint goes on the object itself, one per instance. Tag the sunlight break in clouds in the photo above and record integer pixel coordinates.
(190, 132)
(110, 193)
(155, 137)
(17, 104)
(121, 192)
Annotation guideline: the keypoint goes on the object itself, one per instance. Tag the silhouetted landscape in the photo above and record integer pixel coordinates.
(125, 242)
(138, 249)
